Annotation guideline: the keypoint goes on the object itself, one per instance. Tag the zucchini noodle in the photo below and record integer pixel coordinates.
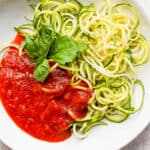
(107, 66)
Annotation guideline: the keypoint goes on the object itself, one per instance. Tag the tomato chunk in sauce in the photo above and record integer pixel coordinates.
(43, 110)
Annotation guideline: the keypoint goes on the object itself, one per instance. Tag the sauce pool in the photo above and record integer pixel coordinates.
(40, 109)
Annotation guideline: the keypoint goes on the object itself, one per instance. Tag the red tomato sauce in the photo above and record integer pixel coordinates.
(43, 110)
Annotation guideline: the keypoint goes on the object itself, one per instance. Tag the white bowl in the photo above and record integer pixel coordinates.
(110, 137)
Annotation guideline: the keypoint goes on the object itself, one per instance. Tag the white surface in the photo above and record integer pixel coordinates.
(110, 137)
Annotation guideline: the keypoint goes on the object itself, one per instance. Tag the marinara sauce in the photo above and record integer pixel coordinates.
(43, 110)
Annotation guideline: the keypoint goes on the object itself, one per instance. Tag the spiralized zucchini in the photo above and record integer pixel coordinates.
(107, 66)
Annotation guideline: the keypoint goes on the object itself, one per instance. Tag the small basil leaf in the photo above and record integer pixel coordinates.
(30, 46)
(42, 70)
(82, 46)
(39, 46)
(64, 50)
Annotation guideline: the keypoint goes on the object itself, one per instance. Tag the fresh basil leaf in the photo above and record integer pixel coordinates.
(30, 46)
(82, 46)
(64, 50)
(42, 70)
(39, 46)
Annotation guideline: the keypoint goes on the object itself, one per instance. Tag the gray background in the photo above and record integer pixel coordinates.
(142, 142)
